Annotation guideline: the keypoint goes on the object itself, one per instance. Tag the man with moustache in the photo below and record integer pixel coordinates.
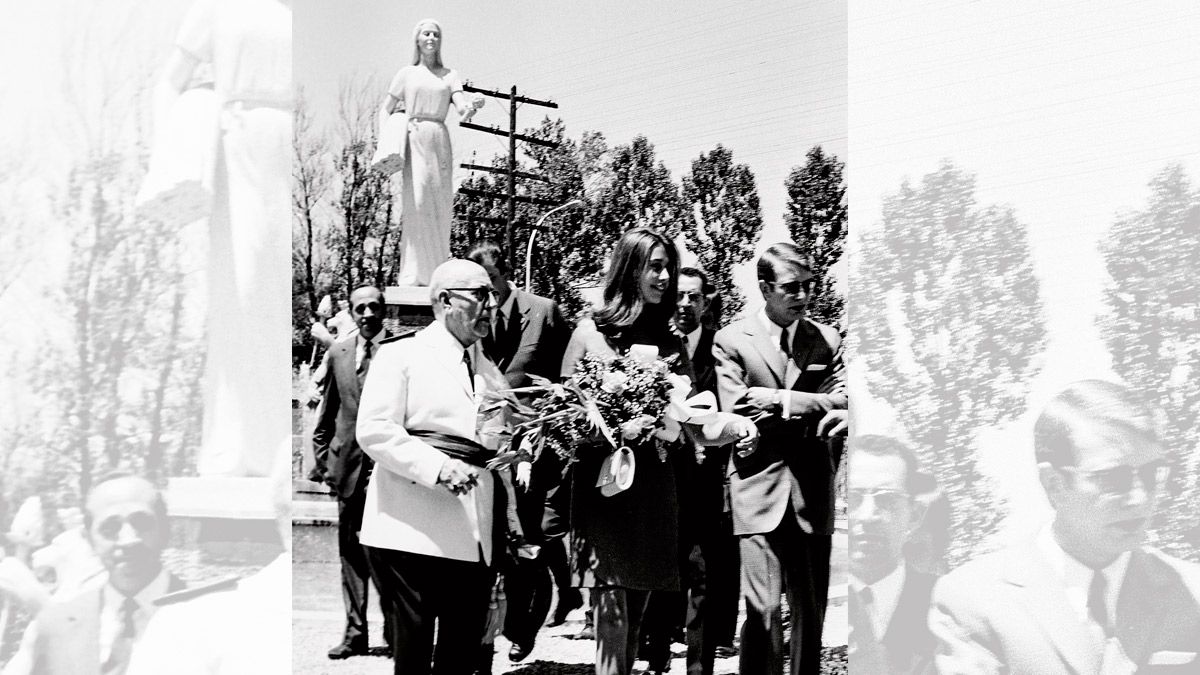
(430, 503)
(94, 632)
(785, 372)
(1086, 595)
(345, 468)
(528, 337)
(889, 600)
(708, 605)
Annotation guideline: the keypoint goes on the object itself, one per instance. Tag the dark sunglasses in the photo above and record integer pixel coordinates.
(1118, 481)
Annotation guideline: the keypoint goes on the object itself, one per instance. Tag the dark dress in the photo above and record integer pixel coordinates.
(629, 540)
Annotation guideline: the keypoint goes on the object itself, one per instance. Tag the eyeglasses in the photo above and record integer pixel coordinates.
(794, 287)
(144, 524)
(884, 500)
(690, 296)
(480, 294)
(1118, 481)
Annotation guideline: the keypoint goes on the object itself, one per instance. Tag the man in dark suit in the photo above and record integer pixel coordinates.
(1085, 595)
(889, 600)
(785, 372)
(94, 631)
(345, 467)
(528, 337)
(708, 604)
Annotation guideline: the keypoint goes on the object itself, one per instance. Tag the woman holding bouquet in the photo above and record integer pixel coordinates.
(625, 545)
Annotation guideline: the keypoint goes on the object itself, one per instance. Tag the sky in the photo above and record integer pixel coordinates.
(766, 79)
(1064, 111)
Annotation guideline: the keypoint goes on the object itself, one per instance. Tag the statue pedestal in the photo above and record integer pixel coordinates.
(226, 518)
(408, 307)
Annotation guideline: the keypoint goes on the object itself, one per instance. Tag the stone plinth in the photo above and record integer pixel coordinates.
(408, 307)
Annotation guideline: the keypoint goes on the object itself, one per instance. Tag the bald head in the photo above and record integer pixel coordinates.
(461, 294)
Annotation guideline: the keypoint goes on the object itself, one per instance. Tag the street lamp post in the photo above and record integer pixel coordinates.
(533, 236)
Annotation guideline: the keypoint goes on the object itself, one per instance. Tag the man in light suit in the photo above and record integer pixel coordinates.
(889, 599)
(785, 372)
(1085, 595)
(528, 337)
(94, 631)
(343, 464)
(430, 506)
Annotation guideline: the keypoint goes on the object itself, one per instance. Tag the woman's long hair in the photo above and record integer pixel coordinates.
(623, 301)
(437, 55)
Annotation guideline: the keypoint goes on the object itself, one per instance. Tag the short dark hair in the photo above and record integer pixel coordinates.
(1089, 405)
(488, 252)
(706, 287)
(783, 253)
(916, 481)
(159, 505)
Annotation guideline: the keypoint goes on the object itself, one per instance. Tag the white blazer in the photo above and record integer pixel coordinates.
(421, 383)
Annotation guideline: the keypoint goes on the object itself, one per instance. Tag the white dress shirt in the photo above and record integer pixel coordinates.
(885, 596)
(693, 341)
(1076, 577)
(111, 619)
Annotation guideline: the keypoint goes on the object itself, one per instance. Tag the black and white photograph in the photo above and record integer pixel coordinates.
(568, 298)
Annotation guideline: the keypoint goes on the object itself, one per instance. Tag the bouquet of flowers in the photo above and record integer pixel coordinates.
(620, 399)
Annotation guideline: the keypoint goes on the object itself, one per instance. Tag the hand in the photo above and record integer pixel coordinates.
(834, 423)
(747, 432)
(524, 471)
(762, 398)
(458, 477)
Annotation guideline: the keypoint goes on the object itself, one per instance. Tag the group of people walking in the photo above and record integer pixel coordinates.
(403, 443)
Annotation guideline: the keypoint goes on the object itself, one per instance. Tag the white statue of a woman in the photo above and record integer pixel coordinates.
(414, 141)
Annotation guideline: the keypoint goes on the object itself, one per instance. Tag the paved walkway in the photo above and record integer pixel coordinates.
(317, 621)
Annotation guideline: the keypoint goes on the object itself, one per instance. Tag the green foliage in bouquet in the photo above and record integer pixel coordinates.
(615, 399)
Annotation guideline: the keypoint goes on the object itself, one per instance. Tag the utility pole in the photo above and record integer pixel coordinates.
(510, 194)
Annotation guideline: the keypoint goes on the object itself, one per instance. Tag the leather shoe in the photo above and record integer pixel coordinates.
(346, 650)
(585, 633)
(567, 602)
(518, 652)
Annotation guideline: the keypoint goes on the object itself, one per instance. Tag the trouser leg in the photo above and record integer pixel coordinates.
(356, 571)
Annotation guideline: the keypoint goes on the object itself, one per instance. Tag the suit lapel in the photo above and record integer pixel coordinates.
(760, 337)
(1143, 605)
(344, 362)
(802, 350)
(1048, 607)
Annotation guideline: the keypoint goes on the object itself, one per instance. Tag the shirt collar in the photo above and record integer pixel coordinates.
(441, 338)
(1077, 578)
(774, 330)
(507, 307)
(375, 341)
(145, 598)
(885, 596)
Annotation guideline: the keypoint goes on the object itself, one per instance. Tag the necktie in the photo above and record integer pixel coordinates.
(866, 654)
(785, 346)
(364, 363)
(118, 657)
(1097, 607)
(470, 368)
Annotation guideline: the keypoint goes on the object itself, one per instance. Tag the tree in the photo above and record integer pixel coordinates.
(816, 221)
(310, 189)
(948, 323)
(1151, 324)
(364, 233)
(726, 220)
(640, 193)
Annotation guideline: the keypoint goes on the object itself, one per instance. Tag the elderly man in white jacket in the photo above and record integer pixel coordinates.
(430, 505)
